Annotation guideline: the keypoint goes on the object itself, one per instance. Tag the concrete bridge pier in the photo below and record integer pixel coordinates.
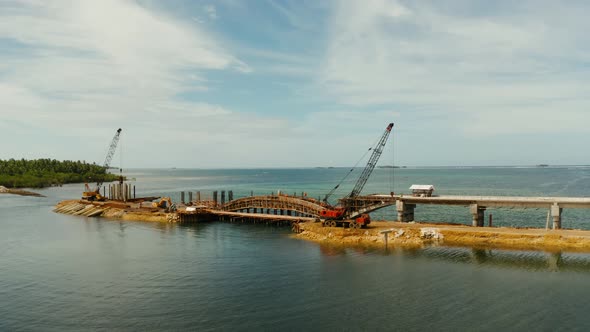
(478, 213)
(405, 212)
(556, 212)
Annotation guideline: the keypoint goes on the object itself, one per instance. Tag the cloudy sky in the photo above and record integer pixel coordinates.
(279, 83)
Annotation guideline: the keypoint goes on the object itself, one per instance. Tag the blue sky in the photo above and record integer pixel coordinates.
(277, 83)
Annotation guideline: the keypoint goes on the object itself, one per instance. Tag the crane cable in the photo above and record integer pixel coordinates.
(392, 182)
(349, 172)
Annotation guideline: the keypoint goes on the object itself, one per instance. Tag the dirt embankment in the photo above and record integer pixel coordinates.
(111, 210)
(416, 235)
(4, 190)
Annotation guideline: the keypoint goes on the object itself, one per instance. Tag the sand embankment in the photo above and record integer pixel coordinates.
(130, 212)
(408, 235)
(4, 190)
(416, 235)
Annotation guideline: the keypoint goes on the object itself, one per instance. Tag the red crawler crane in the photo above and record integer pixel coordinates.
(339, 214)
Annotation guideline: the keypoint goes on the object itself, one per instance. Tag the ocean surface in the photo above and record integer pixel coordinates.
(69, 273)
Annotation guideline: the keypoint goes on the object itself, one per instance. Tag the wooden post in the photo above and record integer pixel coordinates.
(215, 197)
(230, 195)
(198, 196)
(133, 191)
(222, 197)
(385, 236)
(490, 220)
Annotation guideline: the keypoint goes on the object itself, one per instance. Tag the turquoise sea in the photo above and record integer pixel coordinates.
(68, 273)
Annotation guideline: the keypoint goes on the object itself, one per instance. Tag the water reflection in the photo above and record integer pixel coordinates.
(484, 257)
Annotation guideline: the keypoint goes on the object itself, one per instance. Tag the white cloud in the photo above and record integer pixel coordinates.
(73, 72)
(82, 68)
(507, 65)
(211, 11)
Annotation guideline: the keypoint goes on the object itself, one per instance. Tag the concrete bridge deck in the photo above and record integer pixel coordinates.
(285, 207)
(405, 205)
(495, 201)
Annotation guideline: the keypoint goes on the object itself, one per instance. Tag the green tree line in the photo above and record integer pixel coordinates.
(39, 173)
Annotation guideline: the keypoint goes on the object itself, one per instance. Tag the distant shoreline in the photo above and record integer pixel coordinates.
(41, 173)
(172, 169)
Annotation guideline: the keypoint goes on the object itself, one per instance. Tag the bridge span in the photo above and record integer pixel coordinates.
(277, 207)
(302, 208)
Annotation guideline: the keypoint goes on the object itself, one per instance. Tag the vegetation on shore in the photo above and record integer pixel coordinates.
(39, 173)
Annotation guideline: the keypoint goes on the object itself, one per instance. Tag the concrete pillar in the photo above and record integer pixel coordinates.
(230, 195)
(198, 196)
(222, 197)
(190, 196)
(556, 212)
(182, 197)
(478, 213)
(215, 197)
(405, 211)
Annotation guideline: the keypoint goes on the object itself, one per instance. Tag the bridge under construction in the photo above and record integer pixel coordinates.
(351, 211)
(284, 208)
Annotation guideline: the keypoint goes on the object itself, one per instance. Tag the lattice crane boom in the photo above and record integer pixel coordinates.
(110, 154)
(377, 150)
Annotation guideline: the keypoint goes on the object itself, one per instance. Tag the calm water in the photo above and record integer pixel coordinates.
(60, 272)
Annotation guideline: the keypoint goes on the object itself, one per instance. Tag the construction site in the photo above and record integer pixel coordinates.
(348, 221)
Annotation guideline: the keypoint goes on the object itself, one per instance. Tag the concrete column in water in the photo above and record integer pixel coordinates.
(405, 211)
(556, 212)
(222, 197)
(190, 196)
(478, 213)
(182, 197)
